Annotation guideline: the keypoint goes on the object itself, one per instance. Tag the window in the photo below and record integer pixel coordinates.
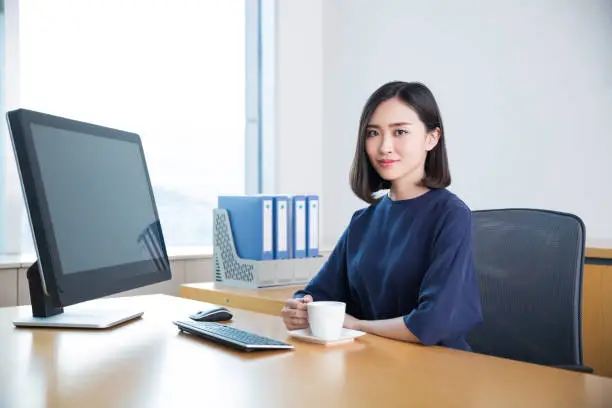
(184, 74)
(2, 130)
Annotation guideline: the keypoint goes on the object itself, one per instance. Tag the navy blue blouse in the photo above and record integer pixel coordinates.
(410, 258)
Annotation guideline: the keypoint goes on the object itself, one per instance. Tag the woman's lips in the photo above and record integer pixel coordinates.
(386, 163)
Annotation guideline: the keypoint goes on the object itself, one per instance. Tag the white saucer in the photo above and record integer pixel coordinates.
(348, 335)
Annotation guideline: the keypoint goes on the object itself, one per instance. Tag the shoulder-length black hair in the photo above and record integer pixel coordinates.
(364, 179)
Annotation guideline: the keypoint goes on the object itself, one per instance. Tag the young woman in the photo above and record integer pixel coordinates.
(403, 266)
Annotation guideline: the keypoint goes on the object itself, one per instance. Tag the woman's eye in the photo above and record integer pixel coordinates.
(371, 133)
(400, 132)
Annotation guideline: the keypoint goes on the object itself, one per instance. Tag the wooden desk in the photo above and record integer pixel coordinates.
(597, 306)
(147, 363)
(598, 249)
(269, 300)
(596, 303)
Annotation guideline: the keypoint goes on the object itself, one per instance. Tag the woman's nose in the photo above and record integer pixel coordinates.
(386, 145)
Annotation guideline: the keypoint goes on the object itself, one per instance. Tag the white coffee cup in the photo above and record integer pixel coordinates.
(326, 319)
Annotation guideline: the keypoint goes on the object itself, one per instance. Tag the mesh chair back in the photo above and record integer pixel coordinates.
(529, 265)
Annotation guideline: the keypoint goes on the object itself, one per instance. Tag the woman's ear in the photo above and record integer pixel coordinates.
(432, 138)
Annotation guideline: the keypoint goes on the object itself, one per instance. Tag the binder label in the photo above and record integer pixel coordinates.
(300, 225)
(313, 224)
(267, 226)
(281, 219)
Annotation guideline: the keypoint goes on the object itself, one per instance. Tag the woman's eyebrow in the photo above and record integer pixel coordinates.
(396, 124)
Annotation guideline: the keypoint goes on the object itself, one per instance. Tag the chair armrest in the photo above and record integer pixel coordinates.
(576, 367)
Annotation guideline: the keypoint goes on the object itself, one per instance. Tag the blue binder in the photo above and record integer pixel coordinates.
(251, 219)
(298, 226)
(312, 225)
(281, 227)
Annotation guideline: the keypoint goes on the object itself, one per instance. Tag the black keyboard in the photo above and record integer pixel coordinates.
(230, 336)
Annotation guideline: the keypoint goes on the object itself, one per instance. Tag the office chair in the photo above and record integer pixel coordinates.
(529, 264)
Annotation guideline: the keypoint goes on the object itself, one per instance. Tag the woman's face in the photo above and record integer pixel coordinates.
(397, 142)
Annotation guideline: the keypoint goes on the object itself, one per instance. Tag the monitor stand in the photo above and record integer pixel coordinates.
(95, 314)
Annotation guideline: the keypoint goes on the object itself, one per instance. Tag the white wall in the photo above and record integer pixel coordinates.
(524, 87)
(299, 93)
(299, 71)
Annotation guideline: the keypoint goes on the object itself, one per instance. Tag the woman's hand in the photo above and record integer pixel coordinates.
(351, 323)
(295, 314)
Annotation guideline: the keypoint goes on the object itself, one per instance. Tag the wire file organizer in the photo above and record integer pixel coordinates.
(232, 270)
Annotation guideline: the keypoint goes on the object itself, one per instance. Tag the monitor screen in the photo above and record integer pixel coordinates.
(91, 205)
(98, 198)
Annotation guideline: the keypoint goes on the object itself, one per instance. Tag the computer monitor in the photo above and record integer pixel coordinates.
(93, 215)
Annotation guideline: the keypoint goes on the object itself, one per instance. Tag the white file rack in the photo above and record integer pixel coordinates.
(232, 270)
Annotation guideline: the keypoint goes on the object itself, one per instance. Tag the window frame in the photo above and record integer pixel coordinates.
(260, 95)
(260, 25)
(2, 128)
(12, 207)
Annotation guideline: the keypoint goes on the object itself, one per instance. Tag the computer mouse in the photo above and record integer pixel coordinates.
(217, 314)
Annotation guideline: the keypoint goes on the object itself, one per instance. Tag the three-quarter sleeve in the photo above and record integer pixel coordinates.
(449, 300)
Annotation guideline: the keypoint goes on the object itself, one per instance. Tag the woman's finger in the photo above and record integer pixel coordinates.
(294, 313)
(302, 314)
(297, 322)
